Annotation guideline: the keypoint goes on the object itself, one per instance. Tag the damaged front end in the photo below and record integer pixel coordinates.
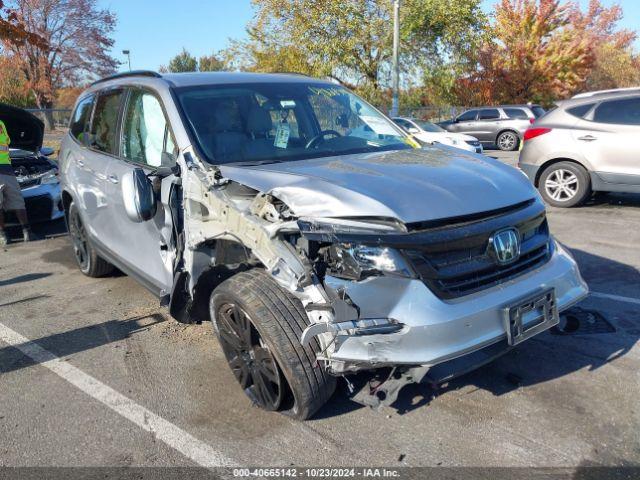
(425, 301)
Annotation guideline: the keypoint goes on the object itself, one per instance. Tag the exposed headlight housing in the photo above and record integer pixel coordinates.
(360, 261)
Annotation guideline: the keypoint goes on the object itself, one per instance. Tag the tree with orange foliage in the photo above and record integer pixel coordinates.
(77, 37)
(531, 53)
(615, 63)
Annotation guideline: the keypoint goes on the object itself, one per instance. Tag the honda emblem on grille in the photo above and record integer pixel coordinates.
(506, 245)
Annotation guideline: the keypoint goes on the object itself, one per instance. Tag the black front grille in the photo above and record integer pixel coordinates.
(462, 264)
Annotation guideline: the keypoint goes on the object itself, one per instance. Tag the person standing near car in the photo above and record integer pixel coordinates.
(10, 194)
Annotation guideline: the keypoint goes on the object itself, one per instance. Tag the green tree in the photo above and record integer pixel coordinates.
(183, 62)
(210, 63)
(351, 40)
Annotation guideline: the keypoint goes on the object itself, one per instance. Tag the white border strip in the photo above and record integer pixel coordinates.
(192, 448)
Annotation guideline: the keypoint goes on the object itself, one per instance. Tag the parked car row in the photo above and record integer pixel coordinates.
(502, 126)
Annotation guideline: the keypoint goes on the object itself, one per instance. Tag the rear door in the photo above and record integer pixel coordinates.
(488, 125)
(92, 164)
(608, 138)
(146, 142)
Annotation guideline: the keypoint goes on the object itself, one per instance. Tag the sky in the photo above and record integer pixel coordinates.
(156, 30)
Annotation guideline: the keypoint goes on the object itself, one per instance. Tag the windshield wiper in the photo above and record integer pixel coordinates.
(254, 163)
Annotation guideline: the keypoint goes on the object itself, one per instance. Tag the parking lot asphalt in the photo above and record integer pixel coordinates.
(93, 372)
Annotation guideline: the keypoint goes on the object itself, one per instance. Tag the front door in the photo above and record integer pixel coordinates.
(146, 142)
(465, 123)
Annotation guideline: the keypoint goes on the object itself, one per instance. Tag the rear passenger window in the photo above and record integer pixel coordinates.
(581, 110)
(105, 122)
(80, 119)
(146, 137)
(622, 112)
(516, 113)
(489, 114)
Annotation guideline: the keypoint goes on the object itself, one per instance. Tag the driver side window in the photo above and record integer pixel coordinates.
(146, 136)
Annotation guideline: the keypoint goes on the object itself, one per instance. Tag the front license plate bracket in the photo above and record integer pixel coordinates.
(530, 315)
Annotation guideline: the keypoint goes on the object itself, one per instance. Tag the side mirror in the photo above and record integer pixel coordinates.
(46, 151)
(137, 195)
(413, 130)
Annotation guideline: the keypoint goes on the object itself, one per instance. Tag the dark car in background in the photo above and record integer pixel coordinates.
(36, 174)
(502, 126)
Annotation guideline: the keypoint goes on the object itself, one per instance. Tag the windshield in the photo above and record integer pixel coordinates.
(265, 122)
(430, 127)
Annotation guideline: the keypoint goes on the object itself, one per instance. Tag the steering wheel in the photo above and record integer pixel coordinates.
(315, 141)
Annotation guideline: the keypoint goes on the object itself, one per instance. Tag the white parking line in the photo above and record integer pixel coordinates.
(201, 453)
(618, 298)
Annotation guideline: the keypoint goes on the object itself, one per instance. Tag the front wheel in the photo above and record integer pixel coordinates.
(508, 141)
(565, 184)
(259, 325)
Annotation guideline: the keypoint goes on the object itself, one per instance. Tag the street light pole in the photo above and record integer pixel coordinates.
(395, 106)
(128, 54)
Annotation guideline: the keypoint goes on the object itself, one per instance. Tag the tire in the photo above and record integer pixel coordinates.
(573, 185)
(89, 262)
(508, 141)
(253, 302)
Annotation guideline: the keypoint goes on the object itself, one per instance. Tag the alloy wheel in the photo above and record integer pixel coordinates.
(561, 185)
(79, 239)
(507, 141)
(249, 357)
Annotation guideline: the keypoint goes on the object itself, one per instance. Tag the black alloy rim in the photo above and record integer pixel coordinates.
(249, 357)
(79, 239)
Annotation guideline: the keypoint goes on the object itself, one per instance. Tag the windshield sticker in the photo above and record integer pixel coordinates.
(282, 136)
(288, 103)
(379, 125)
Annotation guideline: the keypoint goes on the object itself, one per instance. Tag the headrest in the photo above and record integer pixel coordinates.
(259, 120)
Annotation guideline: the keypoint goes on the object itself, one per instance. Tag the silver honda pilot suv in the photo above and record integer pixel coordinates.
(318, 238)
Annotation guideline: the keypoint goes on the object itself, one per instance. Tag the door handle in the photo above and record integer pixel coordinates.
(587, 138)
(80, 162)
(112, 179)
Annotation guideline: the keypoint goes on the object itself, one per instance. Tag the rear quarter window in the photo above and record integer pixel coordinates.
(538, 111)
(516, 113)
(581, 110)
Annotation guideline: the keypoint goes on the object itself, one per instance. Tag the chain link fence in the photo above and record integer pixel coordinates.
(58, 117)
(433, 114)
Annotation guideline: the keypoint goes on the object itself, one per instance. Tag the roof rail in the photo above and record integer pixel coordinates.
(132, 73)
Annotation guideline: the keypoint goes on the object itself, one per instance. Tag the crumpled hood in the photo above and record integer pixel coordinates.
(410, 185)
